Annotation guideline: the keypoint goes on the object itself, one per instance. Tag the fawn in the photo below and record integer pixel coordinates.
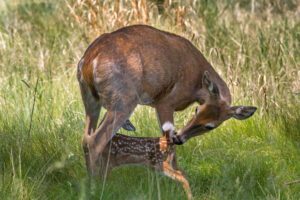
(158, 154)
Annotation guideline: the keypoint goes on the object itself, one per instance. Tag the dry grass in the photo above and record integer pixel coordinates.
(255, 32)
(253, 44)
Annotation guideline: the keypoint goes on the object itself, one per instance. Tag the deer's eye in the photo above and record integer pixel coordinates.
(209, 126)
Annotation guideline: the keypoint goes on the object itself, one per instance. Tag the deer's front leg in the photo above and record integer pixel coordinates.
(164, 116)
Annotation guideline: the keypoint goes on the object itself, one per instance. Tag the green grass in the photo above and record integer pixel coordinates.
(256, 53)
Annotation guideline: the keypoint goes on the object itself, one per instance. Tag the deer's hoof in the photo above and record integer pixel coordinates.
(128, 126)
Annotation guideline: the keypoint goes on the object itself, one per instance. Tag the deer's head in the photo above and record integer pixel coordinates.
(212, 113)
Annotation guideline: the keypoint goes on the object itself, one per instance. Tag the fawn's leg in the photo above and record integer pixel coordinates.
(177, 174)
(169, 166)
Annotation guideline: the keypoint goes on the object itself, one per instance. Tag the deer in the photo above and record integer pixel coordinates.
(159, 154)
(140, 64)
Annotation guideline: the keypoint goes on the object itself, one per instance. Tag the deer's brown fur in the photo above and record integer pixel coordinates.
(143, 65)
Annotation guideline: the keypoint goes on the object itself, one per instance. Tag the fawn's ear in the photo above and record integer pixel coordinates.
(242, 112)
(210, 85)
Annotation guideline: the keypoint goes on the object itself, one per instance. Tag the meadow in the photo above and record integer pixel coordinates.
(253, 44)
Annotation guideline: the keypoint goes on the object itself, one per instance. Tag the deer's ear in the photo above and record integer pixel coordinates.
(242, 112)
(210, 85)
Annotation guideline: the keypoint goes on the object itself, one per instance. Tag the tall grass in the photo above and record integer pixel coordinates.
(254, 45)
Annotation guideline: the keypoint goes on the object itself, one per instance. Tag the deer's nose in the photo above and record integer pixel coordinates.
(209, 127)
(177, 140)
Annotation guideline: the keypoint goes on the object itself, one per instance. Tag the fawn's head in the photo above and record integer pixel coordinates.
(212, 113)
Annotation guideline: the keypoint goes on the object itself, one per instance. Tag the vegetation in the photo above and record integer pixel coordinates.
(253, 44)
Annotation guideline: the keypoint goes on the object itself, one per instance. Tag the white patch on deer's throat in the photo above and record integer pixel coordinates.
(168, 126)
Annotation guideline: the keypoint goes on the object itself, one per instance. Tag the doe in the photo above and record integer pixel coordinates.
(143, 65)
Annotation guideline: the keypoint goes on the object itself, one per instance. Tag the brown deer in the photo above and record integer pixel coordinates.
(158, 154)
(143, 65)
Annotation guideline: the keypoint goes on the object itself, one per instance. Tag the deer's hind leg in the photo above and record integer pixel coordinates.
(92, 110)
(118, 86)
(114, 119)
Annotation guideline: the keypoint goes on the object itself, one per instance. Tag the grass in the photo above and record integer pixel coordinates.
(254, 45)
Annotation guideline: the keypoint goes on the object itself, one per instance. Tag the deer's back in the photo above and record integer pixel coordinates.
(143, 58)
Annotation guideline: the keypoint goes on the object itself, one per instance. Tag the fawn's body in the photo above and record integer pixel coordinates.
(156, 153)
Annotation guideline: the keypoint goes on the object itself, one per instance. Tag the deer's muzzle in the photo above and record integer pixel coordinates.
(177, 140)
